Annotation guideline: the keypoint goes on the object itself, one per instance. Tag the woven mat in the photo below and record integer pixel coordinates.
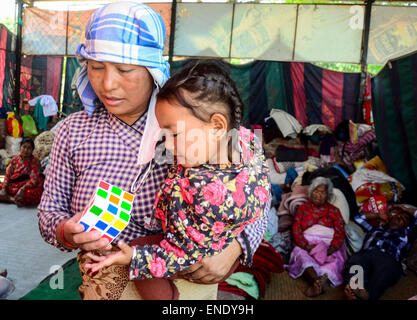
(283, 287)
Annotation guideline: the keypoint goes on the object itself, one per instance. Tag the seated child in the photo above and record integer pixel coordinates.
(207, 200)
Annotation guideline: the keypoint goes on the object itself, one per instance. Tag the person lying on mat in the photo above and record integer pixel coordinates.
(206, 201)
(379, 260)
(23, 182)
(319, 254)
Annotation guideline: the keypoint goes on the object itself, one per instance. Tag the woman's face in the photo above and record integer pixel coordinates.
(124, 89)
(319, 195)
(26, 150)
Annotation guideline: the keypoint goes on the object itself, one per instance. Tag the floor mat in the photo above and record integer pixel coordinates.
(26, 256)
(69, 291)
(283, 287)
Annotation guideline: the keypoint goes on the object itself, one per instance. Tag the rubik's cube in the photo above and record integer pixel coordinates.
(109, 211)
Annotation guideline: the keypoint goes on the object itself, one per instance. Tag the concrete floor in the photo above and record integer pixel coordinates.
(26, 256)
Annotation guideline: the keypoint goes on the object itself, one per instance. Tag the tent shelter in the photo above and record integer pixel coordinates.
(359, 32)
(282, 40)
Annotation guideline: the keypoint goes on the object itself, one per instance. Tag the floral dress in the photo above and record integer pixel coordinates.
(203, 209)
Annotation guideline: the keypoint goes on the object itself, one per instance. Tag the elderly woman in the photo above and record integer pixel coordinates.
(23, 183)
(122, 70)
(319, 254)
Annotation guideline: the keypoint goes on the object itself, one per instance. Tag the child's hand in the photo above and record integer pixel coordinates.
(123, 257)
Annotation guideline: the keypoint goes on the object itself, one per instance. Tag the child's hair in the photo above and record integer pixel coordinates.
(212, 91)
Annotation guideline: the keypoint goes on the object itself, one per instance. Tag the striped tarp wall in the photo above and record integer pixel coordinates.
(7, 61)
(41, 75)
(320, 96)
(394, 99)
(308, 92)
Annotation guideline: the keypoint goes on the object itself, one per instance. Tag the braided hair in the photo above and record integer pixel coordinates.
(211, 90)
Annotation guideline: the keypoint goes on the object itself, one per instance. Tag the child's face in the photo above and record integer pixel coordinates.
(187, 137)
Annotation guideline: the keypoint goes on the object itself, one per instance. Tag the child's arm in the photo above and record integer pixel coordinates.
(123, 257)
(149, 261)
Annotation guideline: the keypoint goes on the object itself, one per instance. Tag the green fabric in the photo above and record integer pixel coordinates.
(40, 119)
(408, 91)
(28, 126)
(394, 111)
(70, 105)
(246, 282)
(72, 280)
(268, 235)
(241, 76)
(275, 86)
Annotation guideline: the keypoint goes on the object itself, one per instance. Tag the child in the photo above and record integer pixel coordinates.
(205, 202)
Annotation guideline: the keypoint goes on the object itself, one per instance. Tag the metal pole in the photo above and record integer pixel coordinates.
(18, 54)
(364, 57)
(231, 30)
(172, 33)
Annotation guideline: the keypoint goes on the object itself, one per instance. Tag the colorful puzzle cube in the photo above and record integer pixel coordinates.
(109, 211)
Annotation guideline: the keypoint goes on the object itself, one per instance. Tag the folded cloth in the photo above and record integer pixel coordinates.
(48, 104)
(266, 260)
(292, 200)
(319, 252)
(287, 124)
(224, 286)
(291, 175)
(354, 236)
(246, 282)
(313, 128)
(363, 175)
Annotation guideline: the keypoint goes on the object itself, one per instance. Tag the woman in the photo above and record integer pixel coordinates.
(319, 254)
(123, 69)
(23, 183)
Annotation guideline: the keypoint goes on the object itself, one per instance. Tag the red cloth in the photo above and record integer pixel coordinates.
(224, 286)
(265, 261)
(327, 215)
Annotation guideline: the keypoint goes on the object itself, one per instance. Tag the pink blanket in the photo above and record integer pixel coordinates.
(292, 200)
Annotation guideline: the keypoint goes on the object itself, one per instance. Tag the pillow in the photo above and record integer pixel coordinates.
(340, 202)
(357, 130)
(354, 236)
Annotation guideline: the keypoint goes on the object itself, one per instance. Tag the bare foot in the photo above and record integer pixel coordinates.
(320, 286)
(361, 294)
(349, 293)
(356, 294)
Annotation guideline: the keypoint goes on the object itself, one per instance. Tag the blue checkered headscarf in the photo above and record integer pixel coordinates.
(122, 32)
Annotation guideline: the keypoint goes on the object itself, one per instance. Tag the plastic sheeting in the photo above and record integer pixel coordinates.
(48, 32)
(275, 32)
(393, 33)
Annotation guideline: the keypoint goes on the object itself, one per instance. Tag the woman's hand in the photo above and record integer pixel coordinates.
(123, 257)
(309, 247)
(331, 250)
(74, 234)
(212, 269)
(18, 198)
